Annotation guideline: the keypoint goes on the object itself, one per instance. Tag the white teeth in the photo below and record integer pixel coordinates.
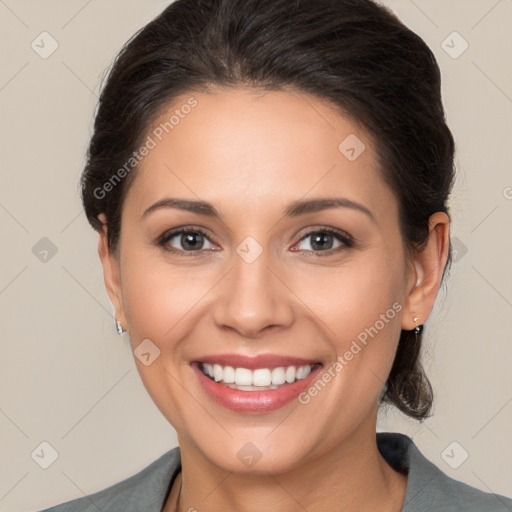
(278, 376)
(243, 377)
(261, 377)
(249, 380)
(217, 372)
(302, 372)
(208, 369)
(229, 375)
(250, 388)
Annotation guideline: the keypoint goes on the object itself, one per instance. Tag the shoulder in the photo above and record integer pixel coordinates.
(146, 490)
(428, 488)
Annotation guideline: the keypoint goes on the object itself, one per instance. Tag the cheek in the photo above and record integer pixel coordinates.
(158, 295)
(351, 297)
(158, 300)
(149, 304)
(360, 306)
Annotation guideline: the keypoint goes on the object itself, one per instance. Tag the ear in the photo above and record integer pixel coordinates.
(428, 266)
(111, 273)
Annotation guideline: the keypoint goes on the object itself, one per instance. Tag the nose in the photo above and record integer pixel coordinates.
(252, 298)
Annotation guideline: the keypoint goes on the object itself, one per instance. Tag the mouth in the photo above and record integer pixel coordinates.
(258, 379)
(251, 384)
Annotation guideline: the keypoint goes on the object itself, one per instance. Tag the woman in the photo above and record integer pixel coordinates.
(269, 180)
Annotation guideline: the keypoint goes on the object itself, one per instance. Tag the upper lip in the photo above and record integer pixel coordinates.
(254, 362)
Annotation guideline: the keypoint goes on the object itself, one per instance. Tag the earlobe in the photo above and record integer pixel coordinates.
(111, 273)
(428, 266)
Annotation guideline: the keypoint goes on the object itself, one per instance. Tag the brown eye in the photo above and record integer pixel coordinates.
(185, 240)
(324, 240)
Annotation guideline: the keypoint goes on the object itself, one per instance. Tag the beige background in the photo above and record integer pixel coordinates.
(69, 380)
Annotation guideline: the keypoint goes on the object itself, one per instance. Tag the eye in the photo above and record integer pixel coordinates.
(186, 240)
(191, 241)
(324, 240)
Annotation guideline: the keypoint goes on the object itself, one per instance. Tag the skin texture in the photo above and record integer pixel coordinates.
(251, 154)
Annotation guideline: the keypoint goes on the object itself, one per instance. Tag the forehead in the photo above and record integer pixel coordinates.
(247, 148)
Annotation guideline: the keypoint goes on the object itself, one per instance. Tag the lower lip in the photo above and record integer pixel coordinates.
(254, 401)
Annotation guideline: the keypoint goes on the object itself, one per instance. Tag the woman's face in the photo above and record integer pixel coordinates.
(268, 278)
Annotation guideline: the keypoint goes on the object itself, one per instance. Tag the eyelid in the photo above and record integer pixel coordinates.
(328, 229)
(343, 237)
(347, 241)
(164, 238)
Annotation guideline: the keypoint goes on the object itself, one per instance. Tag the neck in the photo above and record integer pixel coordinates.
(352, 476)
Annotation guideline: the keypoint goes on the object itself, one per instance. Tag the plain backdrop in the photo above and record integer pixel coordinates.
(66, 377)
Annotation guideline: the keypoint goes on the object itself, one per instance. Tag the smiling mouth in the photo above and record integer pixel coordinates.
(260, 379)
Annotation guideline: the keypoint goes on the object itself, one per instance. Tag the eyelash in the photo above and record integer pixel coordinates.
(343, 237)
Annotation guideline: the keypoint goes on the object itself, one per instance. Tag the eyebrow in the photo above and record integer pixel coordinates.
(295, 209)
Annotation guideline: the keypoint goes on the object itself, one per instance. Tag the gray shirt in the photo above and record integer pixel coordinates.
(428, 488)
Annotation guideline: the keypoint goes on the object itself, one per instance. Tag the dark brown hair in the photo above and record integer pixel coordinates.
(353, 53)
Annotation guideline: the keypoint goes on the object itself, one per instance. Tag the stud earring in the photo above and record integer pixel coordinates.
(119, 328)
(417, 328)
